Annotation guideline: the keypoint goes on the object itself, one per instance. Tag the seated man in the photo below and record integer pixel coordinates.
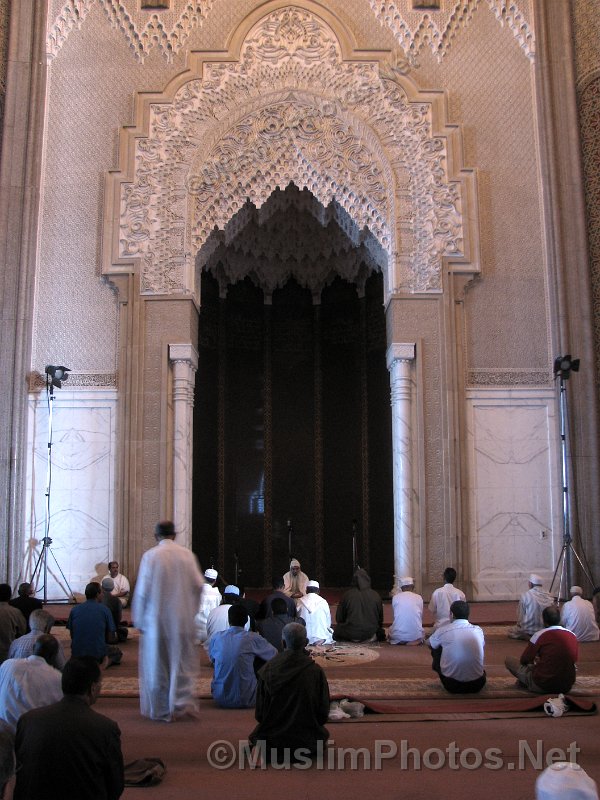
(294, 581)
(314, 611)
(457, 651)
(26, 602)
(359, 615)
(264, 609)
(407, 606)
(12, 622)
(271, 628)
(115, 607)
(7, 760)
(209, 599)
(442, 599)
(121, 588)
(218, 619)
(93, 630)
(578, 616)
(529, 610)
(40, 622)
(67, 750)
(233, 653)
(548, 662)
(292, 702)
(31, 682)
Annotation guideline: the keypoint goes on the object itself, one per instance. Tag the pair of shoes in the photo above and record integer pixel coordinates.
(336, 714)
(352, 708)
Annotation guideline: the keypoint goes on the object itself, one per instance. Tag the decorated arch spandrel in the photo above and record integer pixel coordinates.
(291, 102)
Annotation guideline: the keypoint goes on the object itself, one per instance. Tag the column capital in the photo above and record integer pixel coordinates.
(399, 351)
(184, 352)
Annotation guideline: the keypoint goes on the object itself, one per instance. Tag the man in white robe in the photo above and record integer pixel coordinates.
(315, 612)
(530, 608)
(31, 682)
(407, 605)
(578, 616)
(211, 598)
(165, 601)
(295, 581)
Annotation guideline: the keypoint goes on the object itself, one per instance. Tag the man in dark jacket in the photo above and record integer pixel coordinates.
(66, 749)
(359, 616)
(292, 703)
(272, 627)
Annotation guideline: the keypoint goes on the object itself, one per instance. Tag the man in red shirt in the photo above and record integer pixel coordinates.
(547, 664)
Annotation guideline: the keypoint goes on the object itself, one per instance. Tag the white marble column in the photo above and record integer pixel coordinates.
(400, 359)
(184, 360)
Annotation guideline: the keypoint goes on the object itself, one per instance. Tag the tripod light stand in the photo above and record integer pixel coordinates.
(563, 366)
(54, 377)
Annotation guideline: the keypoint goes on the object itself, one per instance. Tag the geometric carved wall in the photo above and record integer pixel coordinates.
(291, 103)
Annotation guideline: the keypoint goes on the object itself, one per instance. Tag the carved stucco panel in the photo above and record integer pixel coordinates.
(415, 30)
(291, 109)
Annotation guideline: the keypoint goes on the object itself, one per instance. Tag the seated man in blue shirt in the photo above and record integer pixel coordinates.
(237, 655)
(93, 629)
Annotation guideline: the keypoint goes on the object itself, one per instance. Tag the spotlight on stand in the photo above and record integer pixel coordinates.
(564, 365)
(56, 375)
(54, 378)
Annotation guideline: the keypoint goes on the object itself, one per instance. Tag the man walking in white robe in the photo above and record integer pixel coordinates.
(315, 612)
(166, 598)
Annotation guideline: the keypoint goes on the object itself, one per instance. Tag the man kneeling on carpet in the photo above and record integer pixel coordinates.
(457, 652)
(292, 702)
(547, 664)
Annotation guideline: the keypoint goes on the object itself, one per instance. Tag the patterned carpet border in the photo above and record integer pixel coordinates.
(376, 688)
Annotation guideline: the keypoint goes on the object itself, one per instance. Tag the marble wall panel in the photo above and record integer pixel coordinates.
(82, 489)
(513, 489)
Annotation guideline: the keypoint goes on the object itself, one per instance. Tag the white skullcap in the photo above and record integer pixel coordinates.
(535, 579)
(211, 574)
(313, 585)
(575, 590)
(294, 563)
(565, 780)
(407, 581)
(231, 589)
(108, 584)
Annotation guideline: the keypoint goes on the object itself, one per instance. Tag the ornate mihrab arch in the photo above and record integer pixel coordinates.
(292, 101)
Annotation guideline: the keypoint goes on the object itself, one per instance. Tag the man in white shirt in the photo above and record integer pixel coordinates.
(578, 616)
(457, 652)
(218, 619)
(31, 682)
(121, 588)
(442, 599)
(315, 612)
(530, 608)
(407, 606)
(211, 598)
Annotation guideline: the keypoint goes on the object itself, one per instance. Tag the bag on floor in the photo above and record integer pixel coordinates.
(144, 772)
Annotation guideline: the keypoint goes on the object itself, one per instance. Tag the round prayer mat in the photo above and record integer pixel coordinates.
(343, 654)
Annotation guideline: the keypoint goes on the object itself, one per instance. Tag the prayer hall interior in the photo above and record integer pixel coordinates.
(310, 265)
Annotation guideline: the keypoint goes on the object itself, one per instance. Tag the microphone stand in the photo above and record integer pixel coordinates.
(290, 532)
(355, 565)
